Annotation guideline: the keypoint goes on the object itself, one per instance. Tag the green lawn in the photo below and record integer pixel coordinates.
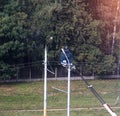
(16, 97)
(60, 113)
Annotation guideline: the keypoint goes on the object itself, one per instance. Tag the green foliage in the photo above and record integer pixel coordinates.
(7, 71)
(108, 64)
(12, 36)
(26, 25)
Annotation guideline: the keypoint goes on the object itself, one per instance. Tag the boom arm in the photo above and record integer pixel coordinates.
(106, 106)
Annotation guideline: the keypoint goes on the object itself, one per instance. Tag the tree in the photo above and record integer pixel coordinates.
(42, 26)
(26, 25)
(12, 34)
(108, 13)
(75, 26)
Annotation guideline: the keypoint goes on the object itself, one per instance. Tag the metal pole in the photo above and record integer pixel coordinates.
(59, 90)
(45, 81)
(106, 106)
(68, 91)
(68, 102)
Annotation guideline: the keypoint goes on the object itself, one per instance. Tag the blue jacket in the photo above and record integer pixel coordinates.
(68, 54)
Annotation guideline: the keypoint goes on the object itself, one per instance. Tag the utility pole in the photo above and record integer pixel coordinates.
(45, 77)
(45, 81)
(68, 89)
(68, 96)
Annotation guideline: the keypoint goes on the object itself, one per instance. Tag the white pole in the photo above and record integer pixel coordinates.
(68, 95)
(45, 81)
(109, 110)
(68, 102)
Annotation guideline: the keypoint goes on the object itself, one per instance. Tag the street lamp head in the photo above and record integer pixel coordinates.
(51, 38)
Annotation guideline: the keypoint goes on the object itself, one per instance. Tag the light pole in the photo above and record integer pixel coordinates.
(45, 79)
(68, 91)
(68, 98)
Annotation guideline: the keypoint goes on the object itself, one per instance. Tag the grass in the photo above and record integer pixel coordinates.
(15, 97)
(59, 113)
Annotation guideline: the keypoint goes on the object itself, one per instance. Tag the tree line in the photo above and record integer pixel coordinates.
(89, 28)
